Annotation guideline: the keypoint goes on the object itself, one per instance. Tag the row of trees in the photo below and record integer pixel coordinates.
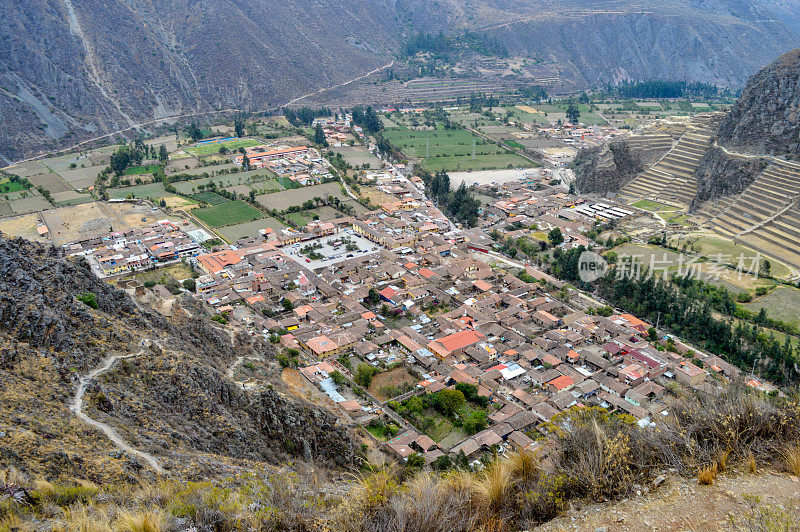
(691, 309)
(665, 89)
(305, 115)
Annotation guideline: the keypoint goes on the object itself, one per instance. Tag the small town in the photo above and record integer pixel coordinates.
(433, 339)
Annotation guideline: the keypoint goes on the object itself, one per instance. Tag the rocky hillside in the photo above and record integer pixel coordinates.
(72, 70)
(75, 70)
(172, 400)
(720, 174)
(607, 168)
(766, 118)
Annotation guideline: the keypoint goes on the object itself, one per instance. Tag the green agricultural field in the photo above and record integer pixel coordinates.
(228, 213)
(782, 304)
(210, 148)
(452, 150)
(11, 186)
(148, 191)
(138, 170)
(652, 206)
(287, 183)
(481, 162)
(299, 218)
(208, 197)
(727, 251)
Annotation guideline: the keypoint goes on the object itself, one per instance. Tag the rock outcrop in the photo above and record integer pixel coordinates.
(720, 174)
(607, 168)
(766, 117)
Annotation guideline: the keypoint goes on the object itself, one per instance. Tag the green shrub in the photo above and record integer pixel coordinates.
(89, 299)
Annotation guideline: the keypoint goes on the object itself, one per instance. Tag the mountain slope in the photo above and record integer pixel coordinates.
(766, 118)
(74, 70)
(89, 67)
(172, 401)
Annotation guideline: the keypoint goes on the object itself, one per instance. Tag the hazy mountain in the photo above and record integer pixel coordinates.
(73, 70)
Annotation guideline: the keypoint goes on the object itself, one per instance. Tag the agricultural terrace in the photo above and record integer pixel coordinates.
(228, 213)
(211, 147)
(452, 150)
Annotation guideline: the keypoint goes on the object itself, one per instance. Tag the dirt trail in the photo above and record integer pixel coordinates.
(77, 408)
(683, 504)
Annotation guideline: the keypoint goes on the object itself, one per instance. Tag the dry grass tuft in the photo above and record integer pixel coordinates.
(791, 455)
(149, 521)
(752, 466)
(722, 461)
(493, 489)
(82, 518)
(524, 466)
(707, 475)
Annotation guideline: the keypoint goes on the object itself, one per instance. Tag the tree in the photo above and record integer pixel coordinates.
(338, 378)
(245, 162)
(475, 422)
(194, 132)
(190, 285)
(319, 136)
(414, 405)
(163, 155)
(555, 237)
(415, 460)
(364, 374)
(573, 113)
(373, 296)
(287, 305)
(238, 125)
(766, 265)
(451, 400)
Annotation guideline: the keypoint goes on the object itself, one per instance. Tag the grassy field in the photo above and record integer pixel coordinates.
(287, 183)
(211, 198)
(728, 251)
(228, 213)
(210, 148)
(298, 218)
(782, 304)
(652, 206)
(138, 170)
(452, 150)
(9, 186)
(148, 191)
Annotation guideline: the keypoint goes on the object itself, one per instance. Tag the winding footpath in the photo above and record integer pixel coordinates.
(77, 408)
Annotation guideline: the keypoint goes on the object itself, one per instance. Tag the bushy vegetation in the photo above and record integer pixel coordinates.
(460, 204)
(596, 456)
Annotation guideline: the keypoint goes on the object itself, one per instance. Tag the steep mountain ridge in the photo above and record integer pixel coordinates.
(75, 70)
(766, 118)
(173, 401)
